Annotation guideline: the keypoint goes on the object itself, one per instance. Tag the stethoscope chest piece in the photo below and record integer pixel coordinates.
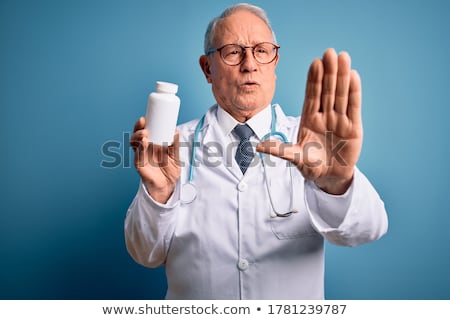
(188, 193)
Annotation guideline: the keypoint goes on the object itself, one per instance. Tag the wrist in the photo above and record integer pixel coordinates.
(159, 194)
(334, 185)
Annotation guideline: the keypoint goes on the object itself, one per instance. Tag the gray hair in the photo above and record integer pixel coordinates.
(257, 11)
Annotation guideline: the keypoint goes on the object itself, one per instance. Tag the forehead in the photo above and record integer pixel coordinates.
(242, 27)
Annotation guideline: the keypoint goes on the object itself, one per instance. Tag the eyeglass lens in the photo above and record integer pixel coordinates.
(234, 54)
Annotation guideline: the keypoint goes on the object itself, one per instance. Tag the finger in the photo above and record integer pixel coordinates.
(354, 98)
(343, 83)
(136, 137)
(141, 152)
(313, 88)
(330, 65)
(139, 125)
(279, 149)
(139, 135)
(174, 149)
(134, 145)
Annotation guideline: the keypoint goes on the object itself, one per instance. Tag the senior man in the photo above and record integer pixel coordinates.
(248, 226)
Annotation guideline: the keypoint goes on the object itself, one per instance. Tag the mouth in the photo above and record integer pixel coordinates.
(249, 84)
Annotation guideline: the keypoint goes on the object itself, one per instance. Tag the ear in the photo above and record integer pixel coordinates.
(276, 59)
(205, 66)
(276, 63)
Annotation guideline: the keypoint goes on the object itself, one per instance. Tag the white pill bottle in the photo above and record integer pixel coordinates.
(162, 113)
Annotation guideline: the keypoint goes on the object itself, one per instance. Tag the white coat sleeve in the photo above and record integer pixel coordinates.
(351, 219)
(149, 227)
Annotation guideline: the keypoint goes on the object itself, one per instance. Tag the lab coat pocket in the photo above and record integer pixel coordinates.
(297, 225)
(285, 197)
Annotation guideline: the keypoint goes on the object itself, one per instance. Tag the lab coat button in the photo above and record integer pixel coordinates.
(242, 186)
(243, 264)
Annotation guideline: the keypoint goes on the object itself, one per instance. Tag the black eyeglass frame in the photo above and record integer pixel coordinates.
(244, 50)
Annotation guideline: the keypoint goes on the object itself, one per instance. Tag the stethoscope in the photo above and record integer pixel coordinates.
(189, 190)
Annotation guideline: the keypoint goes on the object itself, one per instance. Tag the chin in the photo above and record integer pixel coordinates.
(249, 110)
(249, 103)
(247, 106)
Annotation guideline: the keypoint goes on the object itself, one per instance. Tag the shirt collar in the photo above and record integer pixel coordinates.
(260, 122)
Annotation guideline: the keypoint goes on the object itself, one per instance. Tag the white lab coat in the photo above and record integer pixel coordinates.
(226, 244)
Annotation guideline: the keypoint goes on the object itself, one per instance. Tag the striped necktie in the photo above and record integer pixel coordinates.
(244, 152)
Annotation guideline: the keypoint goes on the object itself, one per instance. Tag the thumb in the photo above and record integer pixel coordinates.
(286, 151)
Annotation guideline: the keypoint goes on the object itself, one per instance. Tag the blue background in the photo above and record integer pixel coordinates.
(75, 75)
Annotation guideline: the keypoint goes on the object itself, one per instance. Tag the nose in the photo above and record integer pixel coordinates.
(249, 64)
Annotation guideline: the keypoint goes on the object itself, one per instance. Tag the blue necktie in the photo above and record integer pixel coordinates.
(244, 152)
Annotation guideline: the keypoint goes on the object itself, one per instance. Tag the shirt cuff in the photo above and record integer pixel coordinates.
(327, 211)
(170, 204)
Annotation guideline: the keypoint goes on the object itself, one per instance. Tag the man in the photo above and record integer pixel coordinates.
(255, 227)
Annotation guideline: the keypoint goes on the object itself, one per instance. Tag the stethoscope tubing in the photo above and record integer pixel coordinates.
(190, 191)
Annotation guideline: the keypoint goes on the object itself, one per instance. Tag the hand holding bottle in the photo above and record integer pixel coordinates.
(156, 148)
(158, 166)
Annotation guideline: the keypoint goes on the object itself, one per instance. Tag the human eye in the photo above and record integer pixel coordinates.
(231, 50)
(262, 49)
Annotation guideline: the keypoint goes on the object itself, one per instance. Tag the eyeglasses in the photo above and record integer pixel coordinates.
(233, 54)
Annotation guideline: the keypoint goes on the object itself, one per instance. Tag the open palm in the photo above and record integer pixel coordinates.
(330, 134)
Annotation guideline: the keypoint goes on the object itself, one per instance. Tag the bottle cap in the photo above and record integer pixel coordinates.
(166, 87)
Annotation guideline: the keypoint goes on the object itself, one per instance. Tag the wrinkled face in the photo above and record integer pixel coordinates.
(245, 89)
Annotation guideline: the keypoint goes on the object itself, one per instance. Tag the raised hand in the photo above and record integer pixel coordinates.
(330, 134)
(158, 166)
